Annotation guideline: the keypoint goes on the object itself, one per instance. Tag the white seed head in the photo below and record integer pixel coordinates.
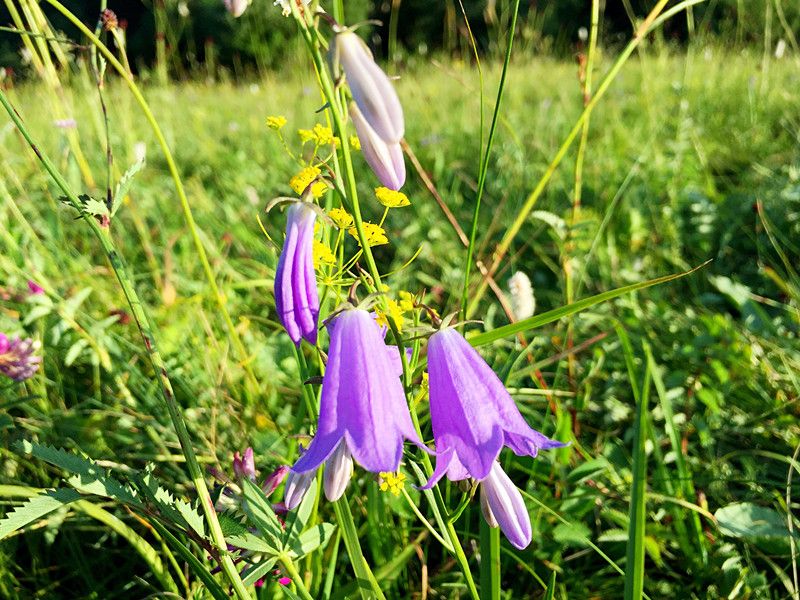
(523, 302)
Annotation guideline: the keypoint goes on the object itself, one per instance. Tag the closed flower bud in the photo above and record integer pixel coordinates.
(502, 505)
(244, 466)
(297, 484)
(236, 7)
(275, 479)
(385, 159)
(338, 470)
(371, 88)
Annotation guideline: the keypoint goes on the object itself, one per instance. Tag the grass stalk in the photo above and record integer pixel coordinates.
(157, 362)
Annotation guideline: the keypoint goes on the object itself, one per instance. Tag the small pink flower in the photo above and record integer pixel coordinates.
(34, 288)
(284, 581)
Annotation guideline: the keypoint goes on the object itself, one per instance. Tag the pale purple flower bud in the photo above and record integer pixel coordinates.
(244, 466)
(272, 482)
(362, 402)
(371, 88)
(338, 470)
(502, 504)
(17, 357)
(236, 7)
(296, 298)
(297, 484)
(385, 159)
(472, 414)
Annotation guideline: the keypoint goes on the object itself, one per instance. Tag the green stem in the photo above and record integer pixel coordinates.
(184, 201)
(490, 562)
(143, 322)
(365, 579)
(485, 161)
(297, 580)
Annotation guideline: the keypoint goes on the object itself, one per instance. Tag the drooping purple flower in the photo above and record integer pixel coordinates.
(384, 158)
(244, 467)
(296, 298)
(17, 357)
(363, 411)
(502, 505)
(371, 88)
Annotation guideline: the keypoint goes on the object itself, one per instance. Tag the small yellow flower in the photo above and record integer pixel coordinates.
(307, 135)
(395, 311)
(276, 122)
(391, 198)
(322, 255)
(355, 143)
(302, 180)
(424, 383)
(324, 136)
(406, 301)
(341, 218)
(392, 482)
(376, 235)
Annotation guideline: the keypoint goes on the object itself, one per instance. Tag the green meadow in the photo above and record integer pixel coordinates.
(681, 398)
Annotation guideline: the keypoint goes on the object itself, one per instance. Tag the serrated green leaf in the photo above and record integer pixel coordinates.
(35, 508)
(124, 185)
(87, 477)
(260, 514)
(36, 313)
(231, 525)
(191, 516)
(74, 351)
(96, 208)
(311, 539)
(258, 570)
(572, 534)
(250, 541)
(297, 520)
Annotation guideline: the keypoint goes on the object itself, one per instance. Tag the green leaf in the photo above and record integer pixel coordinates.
(747, 520)
(87, 477)
(71, 306)
(191, 516)
(297, 520)
(35, 508)
(74, 351)
(559, 313)
(249, 541)
(260, 514)
(571, 534)
(258, 570)
(311, 539)
(124, 185)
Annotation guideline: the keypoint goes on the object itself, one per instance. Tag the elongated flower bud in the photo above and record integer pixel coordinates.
(385, 159)
(275, 479)
(338, 470)
(244, 466)
(502, 504)
(371, 88)
(236, 7)
(297, 484)
(296, 298)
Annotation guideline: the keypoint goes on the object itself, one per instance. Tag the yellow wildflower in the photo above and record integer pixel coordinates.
(355, 143)
(406, 301)
(302, 180)
(322, 255)
(276, 122)
(391, 198)
(324, 136)
(341, 217)
(376, 235)
(392, 482)
(307, 135)
(395, 311)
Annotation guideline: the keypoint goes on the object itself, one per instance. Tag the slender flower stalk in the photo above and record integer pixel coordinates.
(363, 412)
(296, 297)
(18, 359)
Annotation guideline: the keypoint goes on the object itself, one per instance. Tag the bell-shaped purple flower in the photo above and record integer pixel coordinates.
(502, 505)
(472, 414)
(296, 298)
(18, 358)
(363, 411)
(384, 158)
(371, 88)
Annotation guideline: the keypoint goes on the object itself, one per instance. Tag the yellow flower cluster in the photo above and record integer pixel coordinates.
(322, 255)
(320, 135)
(355, 143)
(341, 218)
(391, 198)
(301, 181)
(376, 235)
(396, 311)
(276, 122)
(392, 482)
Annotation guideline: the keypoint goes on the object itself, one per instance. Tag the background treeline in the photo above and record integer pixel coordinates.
(200, 33)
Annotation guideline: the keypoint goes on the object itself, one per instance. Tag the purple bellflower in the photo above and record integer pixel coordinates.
(384, 158)
(17, 357)
(363, 412)
(473, 416)
(371, 88)
(296, 298)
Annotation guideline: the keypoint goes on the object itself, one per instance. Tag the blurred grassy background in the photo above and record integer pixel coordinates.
(683, 151)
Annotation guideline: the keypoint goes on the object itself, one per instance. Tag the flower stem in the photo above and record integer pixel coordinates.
(143, 323)
(367, 584)
(291, 569)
